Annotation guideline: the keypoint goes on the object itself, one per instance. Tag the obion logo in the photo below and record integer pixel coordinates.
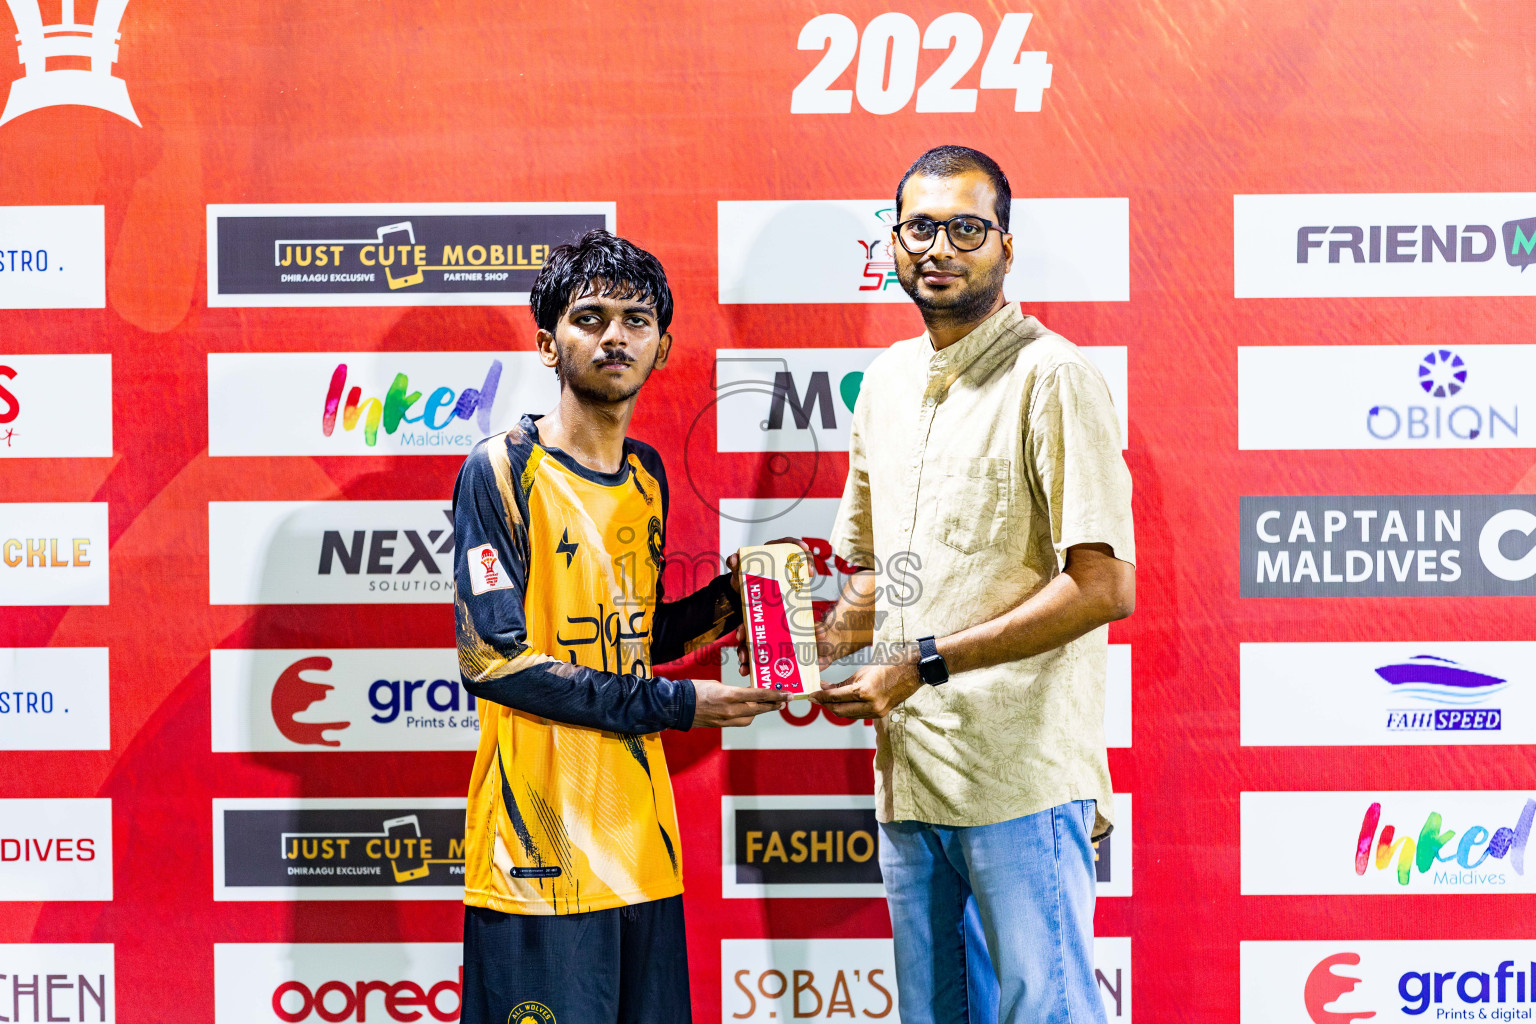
(1384, 396)
(55, 406)
(295, 983)
(95, 86)
(1398, 694)
(1064, 250)
(1384, 245)
(368, 403)
(341, 699)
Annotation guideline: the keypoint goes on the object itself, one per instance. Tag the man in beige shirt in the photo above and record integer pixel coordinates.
(988, 450)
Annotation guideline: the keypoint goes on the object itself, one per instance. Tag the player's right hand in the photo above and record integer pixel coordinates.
(718, 706)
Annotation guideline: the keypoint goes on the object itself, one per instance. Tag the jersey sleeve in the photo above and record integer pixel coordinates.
(683, 626)
(490, 582)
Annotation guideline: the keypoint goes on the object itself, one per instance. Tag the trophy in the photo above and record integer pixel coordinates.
(780, 619)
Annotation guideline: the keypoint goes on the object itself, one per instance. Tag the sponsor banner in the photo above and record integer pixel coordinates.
(1388, 694)
(59, 982)
(369, 403)
(763, 980)
(1374, 842)
(55, 698)
(55, 257)
(1383, 245)
(55, 849)
(410, 848)
(801, 399)
(1345, 980)
(807, 726)
(1389, 545)
(828, 846)
(55, 406)
(314, 982)
(53, 553)
(1064, 250)
(330, 552)
(384, 254)
(1383, 396)
(341, 699)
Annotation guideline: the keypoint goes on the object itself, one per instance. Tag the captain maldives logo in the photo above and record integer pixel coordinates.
(369, 403)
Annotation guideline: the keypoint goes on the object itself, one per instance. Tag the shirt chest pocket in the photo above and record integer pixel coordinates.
(973, 498)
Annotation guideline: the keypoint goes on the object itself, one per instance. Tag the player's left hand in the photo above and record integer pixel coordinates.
(873, 691)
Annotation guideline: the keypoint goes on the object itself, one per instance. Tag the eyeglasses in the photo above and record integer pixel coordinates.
(965, 233)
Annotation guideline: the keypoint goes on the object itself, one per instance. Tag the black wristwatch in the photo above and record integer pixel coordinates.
(931, 668)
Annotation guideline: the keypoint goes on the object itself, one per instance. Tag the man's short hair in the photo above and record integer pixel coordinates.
(603, 264)
(950, 161)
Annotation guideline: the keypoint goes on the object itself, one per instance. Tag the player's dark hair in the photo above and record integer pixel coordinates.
(603, 264)
(950, 161)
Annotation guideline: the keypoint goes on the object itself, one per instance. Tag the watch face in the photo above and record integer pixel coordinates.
(932, 670)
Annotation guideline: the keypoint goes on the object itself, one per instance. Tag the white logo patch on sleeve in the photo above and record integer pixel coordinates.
(486, 572)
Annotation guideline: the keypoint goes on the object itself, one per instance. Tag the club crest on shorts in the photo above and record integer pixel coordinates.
(531, 1013)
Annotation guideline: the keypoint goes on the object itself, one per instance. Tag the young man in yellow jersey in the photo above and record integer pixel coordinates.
(573, 868)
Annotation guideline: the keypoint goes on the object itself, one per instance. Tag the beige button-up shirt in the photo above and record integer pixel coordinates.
(971, 471)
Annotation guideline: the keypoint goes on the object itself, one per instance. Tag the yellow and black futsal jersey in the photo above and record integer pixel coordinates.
(558, 578)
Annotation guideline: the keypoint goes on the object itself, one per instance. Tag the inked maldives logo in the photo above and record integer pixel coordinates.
(1434, 847)
(440, 410)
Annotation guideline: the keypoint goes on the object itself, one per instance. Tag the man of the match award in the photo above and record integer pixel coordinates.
(781, 622)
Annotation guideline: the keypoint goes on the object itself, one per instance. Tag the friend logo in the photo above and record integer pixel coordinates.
(1324, 987)
(93, 87)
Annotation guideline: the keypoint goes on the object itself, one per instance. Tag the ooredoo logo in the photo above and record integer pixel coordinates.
(334, 1001)
(1324, 987)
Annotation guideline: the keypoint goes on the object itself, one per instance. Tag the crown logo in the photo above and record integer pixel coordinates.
(40, 87)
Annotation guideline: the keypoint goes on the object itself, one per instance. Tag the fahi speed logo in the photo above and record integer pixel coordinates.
(340, 700)
(1347, 981)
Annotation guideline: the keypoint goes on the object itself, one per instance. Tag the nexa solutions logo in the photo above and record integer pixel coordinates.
(1389, 545)
(342, 699)
(95, 86)
(330, 552)
(365, 255)
(364, 849)
(1384, 245)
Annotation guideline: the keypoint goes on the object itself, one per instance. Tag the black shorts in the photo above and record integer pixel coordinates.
(628, 965)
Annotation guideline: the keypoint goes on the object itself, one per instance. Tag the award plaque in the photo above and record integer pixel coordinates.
(781, 623)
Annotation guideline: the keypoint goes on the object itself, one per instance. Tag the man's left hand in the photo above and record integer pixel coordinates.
(873, 691)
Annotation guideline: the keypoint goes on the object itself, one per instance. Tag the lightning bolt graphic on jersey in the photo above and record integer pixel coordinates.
(566, 548)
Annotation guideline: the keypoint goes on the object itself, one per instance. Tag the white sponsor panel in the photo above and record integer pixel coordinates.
(1383, 245)
(311, 982)
(55, 849)
(1340, 397)
(763, 980)
(55, 698)
(341, 699)
(1387, 842)
(55, 257)
(1346, 980)
(1388, 694)
(55, 406)
(827, 846)
(803, 725)
(330, 552)
(801, 399)
(59, 982)
(838, 250)
(53, 553)
(369, 403)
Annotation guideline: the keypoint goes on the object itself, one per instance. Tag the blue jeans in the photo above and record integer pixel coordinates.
(994, 923)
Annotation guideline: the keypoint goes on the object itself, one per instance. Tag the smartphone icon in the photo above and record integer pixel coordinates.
(391, 235)
(406, 868)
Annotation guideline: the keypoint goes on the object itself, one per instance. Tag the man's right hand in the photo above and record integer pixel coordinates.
(718, 706)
